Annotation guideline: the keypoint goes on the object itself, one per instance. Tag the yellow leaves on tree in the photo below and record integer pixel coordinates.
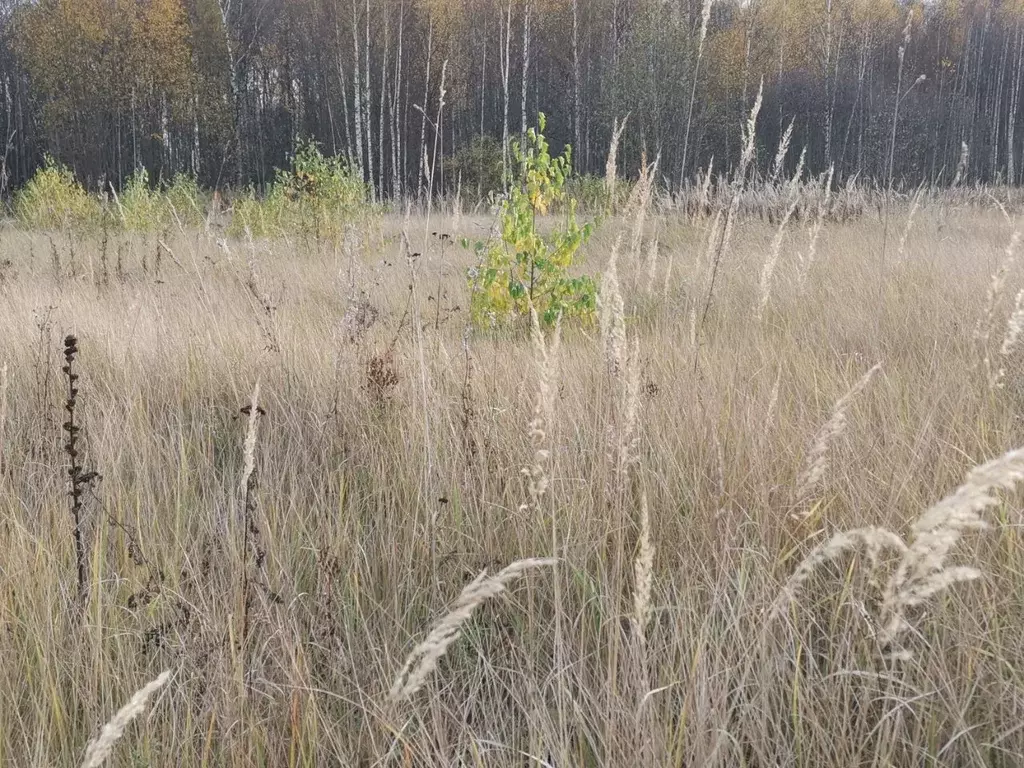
(163, 37)
(80, 55)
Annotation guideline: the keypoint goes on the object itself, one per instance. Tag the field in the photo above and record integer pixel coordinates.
(282, 563)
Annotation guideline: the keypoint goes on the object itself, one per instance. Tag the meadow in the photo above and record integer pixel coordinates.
(307, 457)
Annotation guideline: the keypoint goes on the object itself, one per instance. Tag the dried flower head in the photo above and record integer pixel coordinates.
(768, 270)
(643, 574)
(611, 173)
(874, 540)
(816, 462)
(100, 748)
(612, 314)
(424, 657)
(544, 409)
(1014, 327)
(983, 331)
(780, 154)
(923, 571)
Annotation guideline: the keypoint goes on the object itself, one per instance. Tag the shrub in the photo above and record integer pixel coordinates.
(317, 195)
(526, 268)
(182, 198)
(252, 214)
(140, 206)
(53, 199)
(145, 209)
(479, 166)
(591, 192)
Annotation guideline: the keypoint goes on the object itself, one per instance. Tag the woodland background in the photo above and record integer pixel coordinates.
(224, 89)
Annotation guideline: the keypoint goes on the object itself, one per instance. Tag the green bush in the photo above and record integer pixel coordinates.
(145, 209)
(591, 193)
(139, 206)
(479, 166)
(53, 199)
(252, 214)
(316, 196)
(525, 268)
(183, 199)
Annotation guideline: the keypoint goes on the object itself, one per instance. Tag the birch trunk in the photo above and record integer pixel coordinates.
(526, 66)
(396, 153)
(367, 105)
(505, 53)
(1011, 118)
(357, 88)
(576, 98)
(383, 105)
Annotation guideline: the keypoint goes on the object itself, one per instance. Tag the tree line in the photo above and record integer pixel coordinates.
(422, 95)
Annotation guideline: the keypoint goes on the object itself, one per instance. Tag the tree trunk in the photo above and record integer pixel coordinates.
(396, 152)
(526, 66)
(576, 99)
(997, 108)
(236, 98)
(357, 87)
(505, 72)
(1011, 118)
(828, 94)
(367, 105)
(383, 105)
(342, 83)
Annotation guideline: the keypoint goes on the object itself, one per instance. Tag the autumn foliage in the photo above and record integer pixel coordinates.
(223, 89)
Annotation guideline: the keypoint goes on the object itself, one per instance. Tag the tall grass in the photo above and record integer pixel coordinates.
(356, 627)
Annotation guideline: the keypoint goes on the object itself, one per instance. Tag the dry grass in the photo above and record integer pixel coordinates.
(100, 748)
(389, 460)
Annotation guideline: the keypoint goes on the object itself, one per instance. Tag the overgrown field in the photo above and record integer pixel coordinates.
(677, 461)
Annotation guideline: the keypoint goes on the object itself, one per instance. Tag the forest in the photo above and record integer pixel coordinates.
(224, 90)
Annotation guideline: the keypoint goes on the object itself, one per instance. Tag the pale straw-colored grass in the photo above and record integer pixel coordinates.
(611, 168)
(923, 570)
(781, 152)
(611, 314)
(100, 748)
(816, 460)
(423, 659)
(1014, 327)
(805, 261)
(374, 512)
(643, 574)
(540, 426)
(987, 322)
(768, 269)
(3, 407)
(915, 203)
(638, 208)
